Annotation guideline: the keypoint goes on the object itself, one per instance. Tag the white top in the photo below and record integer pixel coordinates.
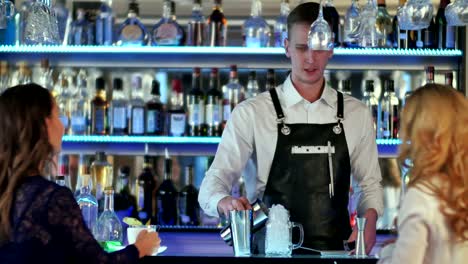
(423, 234)
(249, 141)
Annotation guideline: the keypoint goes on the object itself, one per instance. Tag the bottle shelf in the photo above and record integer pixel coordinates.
(156, 145)
(188, 57)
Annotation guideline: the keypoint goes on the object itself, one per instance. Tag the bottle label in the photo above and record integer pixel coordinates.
(132, 33)
(213, 115)
(166, 34)
(99, 120)
(177, 127)
(226, 112)
(138, 117)
(197, 113)
(152, 121)
(119, 117)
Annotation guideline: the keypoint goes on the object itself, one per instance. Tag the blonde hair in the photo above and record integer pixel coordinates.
(434, 134)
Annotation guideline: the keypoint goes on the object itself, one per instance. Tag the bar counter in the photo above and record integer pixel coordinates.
(207, 247)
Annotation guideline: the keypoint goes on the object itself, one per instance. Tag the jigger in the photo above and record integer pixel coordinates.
(360, 244)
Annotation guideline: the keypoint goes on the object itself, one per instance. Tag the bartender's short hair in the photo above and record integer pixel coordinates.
(306, 13)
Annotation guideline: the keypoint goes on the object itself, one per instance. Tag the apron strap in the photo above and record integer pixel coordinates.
(277, 105)
(340, 111)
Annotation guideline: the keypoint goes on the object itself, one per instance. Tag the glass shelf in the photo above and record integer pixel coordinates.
(222, 57)
(156, 145)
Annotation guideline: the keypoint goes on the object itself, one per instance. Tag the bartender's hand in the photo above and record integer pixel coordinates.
(230, 203)
(369, 231)
(147, 243)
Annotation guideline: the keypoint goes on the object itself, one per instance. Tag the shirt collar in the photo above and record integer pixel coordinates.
(292, 96)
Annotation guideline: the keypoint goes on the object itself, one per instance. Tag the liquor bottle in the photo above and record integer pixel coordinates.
(176, 117)
(125, 203)
(81, 108)
(167, 32)
(87, 202)
(189, 209)
(334, 21)
(82, 32)
(400, 36)
(63, 17)
(256, 31)
(105, 24)
(217, 26)
(383, 24)
(449, 79)
(445, 35)
(252, 85)
(372, 103)
(137, 107)
(63, 173)
(99, 109)
(63, 102)
(145, 190)
(4, 76)
(109, 231)
(430, 74)
(22, 75)
(196, 26)
(167, 197)
(45, 75)
(428, 35)
(102, 175)
(83, 170)
(196, 106)
(232, 94)
(8, 30)
(281, 24)
(118, 110)
(270, 80)
(390, 111)
(213, 106)
(132, 32)
(351, 25)
(346, 87)
(155, 112)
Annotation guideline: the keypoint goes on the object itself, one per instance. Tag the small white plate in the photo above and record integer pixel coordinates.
(161, 249)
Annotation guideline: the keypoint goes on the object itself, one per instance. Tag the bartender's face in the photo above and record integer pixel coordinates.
(307, 65)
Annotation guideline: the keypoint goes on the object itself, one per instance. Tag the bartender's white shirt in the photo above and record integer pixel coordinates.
(249, 142)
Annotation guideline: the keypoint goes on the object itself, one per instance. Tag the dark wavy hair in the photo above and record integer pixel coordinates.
(24, 142)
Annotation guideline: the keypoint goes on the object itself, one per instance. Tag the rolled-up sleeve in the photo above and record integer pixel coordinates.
(233, 152)
(365, 169)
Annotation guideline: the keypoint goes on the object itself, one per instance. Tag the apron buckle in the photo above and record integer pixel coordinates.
(337, 129)
(285, 130)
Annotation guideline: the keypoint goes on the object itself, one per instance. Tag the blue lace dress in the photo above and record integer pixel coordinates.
(47, 227)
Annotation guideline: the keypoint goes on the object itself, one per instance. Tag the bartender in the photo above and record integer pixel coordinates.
(304, 140)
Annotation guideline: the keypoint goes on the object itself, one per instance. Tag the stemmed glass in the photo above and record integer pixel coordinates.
(320, 34)
(41, 24)
(368, 35)
(7, 11)
(415, 15)
(457, 13)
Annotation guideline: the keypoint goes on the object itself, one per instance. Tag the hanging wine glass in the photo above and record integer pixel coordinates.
(7, 11)
(457, 13)
(41, 25)
(320, 33)
(416, 14)
(368, 35)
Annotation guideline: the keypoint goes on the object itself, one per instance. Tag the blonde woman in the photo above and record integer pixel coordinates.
(433, 219)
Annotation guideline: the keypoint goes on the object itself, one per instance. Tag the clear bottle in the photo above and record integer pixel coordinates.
(132, 32)
(368, 33)
(82, 31)
(346, 87)
(81, 108)
(390, 111)
(372, 103)
(252, 85)
(400, 36)
(213, 106)
(176, 116)
(196, 106)
(45, 76)
(22, 75)
(155, 112)
(102, 175)
(217, 26)
(167, 196)
(351, 25)
(145, 190)
(137, 107)
(256, 31)
(83, 169)
(232, 94)
(20, 21)
(105, 24)
(196, 26)
(87, 202)
(118, 110)
(99, 107)
(63, 102)
(4, 76)
(167, 32)
(383, 24)
(189, 209)
(445, 35)
(109, 231)
(334, 21)
(281, 24)
(449, 79)
(62, 14)
(430, 71)
(270, 80)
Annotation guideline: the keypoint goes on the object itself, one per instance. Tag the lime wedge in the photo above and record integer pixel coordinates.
(132, 221)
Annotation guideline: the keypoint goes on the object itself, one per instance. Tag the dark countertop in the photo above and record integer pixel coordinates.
(208, 248)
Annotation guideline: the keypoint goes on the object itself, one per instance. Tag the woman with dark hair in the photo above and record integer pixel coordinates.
(40, 221)
(433, 217)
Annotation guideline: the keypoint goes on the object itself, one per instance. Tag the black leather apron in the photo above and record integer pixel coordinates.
(300, 179)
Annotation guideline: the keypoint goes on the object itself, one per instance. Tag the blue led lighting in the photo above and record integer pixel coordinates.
(220, 50)
(141, 139)
(388, 142)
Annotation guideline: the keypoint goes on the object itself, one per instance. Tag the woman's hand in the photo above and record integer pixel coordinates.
(147, 243)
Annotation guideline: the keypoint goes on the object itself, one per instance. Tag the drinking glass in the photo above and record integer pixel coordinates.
(457, 13)
(7, 11)
(368, 35)
(320, 34)
(133, 231)
(41, 25)
(415, 14)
